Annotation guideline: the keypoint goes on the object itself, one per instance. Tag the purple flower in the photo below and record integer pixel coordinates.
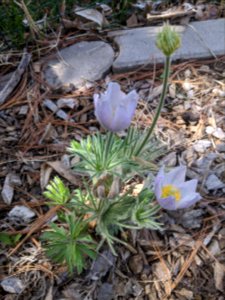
(114, 109)
(171, 190)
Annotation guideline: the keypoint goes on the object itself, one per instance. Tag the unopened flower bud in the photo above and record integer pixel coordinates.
(168, 41)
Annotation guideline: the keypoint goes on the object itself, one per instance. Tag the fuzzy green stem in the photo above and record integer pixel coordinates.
(159, 108)
(108, 145)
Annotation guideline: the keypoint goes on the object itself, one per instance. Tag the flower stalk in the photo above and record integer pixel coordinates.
(159, 108)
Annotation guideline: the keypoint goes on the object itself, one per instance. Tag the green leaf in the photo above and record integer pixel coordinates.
(144, 213)
(105, 154)
(9, 240)
(98, 154)
(70, 244)
(57, 192)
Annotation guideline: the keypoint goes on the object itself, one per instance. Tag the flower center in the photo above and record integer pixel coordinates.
(170, 190)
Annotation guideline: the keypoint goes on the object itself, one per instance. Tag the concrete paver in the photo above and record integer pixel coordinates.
(137, 48)
(79, 63)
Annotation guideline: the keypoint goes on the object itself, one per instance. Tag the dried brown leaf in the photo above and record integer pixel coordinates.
(132, 21)
(163, 273)
(45, 174)
(219, 271)
(63, 171)
(91, 14)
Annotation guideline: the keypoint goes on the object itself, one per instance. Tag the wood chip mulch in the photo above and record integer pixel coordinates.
(184, 261)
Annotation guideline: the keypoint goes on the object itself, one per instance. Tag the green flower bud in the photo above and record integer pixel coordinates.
(168, 41)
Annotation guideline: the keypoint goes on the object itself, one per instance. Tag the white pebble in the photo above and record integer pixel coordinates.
(21, 212)
(201, 145)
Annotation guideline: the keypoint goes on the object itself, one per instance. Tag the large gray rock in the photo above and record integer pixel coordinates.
(76, 64)
(137, 46)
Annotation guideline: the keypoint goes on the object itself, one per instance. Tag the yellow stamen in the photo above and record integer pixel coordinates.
(170, 190)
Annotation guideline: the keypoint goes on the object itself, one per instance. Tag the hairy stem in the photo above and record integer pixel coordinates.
(159, 108)
(107, 148)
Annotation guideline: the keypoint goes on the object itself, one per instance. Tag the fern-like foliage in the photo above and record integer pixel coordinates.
(69, 244)
(128, 212)
(57, 192)
(72, 242)
(145, 212)
(100, 154)
(114, 215)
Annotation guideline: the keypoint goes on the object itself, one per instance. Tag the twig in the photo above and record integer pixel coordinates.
(37, 225)
(13, 81)
(185, 267)
(170, 14)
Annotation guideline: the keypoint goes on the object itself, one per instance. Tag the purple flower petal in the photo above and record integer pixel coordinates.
(114, 109)
(125, 112)
(159, 183)
(188, 187)
(114, 94)
(168, 203)
(174, 180)
(103, 113)
(189, 200)
(130, 102)
(176, 176)
(122, 118)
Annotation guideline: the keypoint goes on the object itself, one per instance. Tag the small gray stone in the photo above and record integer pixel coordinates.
(7, 190)
(213, 183)
(192, 219)
(220, 147)
(204, 162)
(219, 133)
(15, 180)
(21, 212)
(133, 287)
(67, 102)
(65, 159)
(169, 160)
(201, 145)
(216, 132)
(106, 292)
(12, 285)
(76, 64)
(23, 110)
(209, 129)
(101, 265)
(214, 247)
(54, 108)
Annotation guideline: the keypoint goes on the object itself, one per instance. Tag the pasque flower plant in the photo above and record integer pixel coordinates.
(107, 161)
